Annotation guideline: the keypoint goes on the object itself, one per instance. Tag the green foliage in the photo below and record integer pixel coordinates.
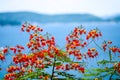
(63, 58)
(103, 62)
(65, 74)
(58, 63)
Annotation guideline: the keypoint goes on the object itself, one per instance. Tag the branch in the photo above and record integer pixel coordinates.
(112, 75)
(53, 68)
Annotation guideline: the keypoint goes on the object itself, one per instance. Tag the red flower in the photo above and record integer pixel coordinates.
(81, 69)
(13, 49)
(67, 67)
(40, 77)
(5, 50)
(114, 49)
(2, 57)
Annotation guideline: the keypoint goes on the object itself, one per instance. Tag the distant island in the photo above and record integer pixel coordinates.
(16, 18)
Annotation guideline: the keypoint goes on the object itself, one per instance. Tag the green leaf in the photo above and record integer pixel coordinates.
(91, 74)
(65, 74)
(58, 63)
(63, 59)
(100, 70)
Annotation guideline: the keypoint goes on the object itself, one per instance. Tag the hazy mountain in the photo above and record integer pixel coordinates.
(115, 18)
(16, 18)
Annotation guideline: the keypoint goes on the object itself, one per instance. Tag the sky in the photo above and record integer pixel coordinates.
(96, 7)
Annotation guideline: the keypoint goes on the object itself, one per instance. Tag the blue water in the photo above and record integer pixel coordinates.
(11, 35)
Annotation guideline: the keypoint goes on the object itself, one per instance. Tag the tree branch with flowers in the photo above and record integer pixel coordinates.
(46, 61)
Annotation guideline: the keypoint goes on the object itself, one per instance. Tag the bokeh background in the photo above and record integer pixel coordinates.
(58, 17)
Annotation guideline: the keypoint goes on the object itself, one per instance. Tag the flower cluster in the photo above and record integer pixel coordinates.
(12, 69)
(74, 43)
(16, 49)
(42, 51)
(28, 28)
(117, 67)
(38, 42)
(10, 76)
(3, 52)
(108, 45)
(115, 49)
(92, 53)
(72, 66)
(93, 34)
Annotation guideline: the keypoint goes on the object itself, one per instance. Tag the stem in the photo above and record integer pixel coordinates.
(86, 45)
(110, 56)
(53, 68)
(112, 75)
(97, 45)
